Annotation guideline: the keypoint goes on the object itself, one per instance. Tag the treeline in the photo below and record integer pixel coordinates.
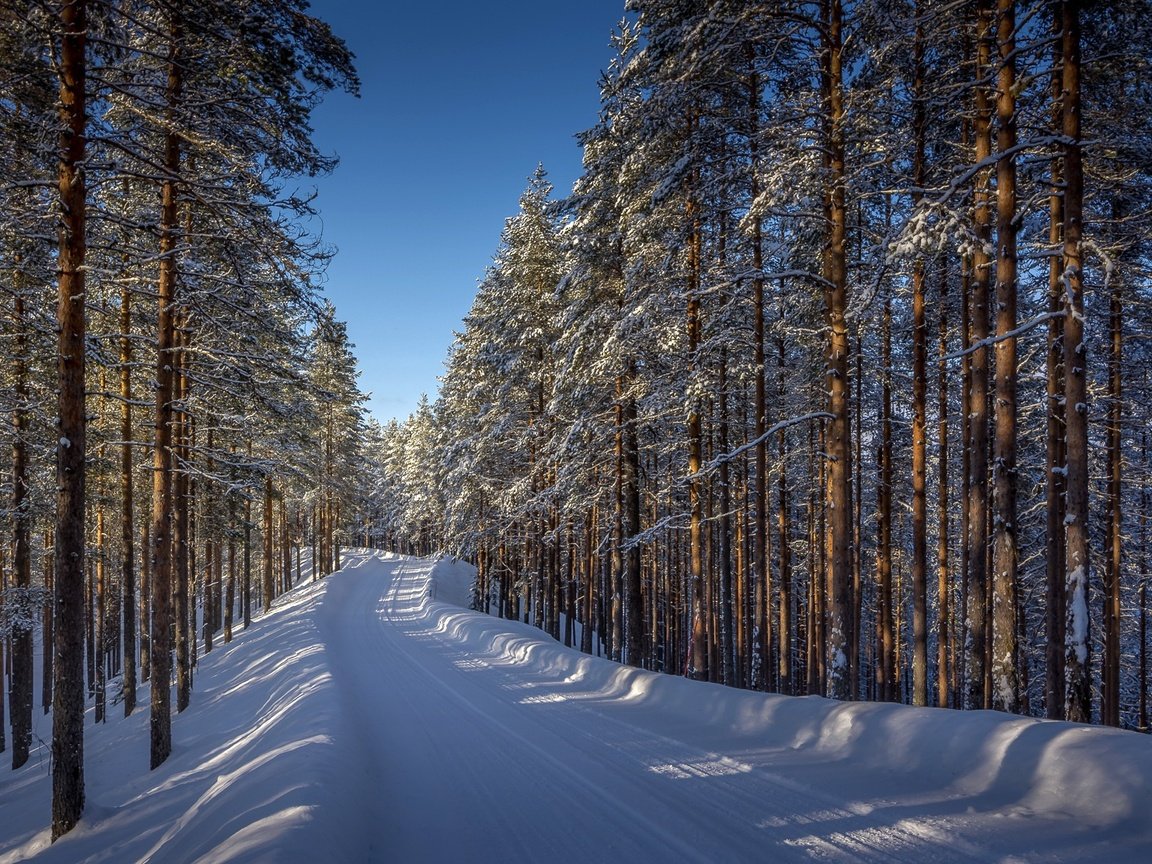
(183, 407)
(830, 374)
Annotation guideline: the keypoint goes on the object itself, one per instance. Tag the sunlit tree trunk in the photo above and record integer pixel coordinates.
(943, 589)
(162, 491)
(1006, 685)
(698, 659)
(919, 575)
(977, 696)
(838, 443)
(127, 534)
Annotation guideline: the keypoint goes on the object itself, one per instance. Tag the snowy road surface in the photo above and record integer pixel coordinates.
(363, 721)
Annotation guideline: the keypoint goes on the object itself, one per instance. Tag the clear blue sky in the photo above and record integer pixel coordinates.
(459, 102)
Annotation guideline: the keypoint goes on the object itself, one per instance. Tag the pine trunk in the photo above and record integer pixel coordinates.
(919, 575)
(268, 586)
(1005, 677)
(977, 696)
(1114, 556)
(839, 473)
(162, 503)
(68, 624)
(886, 635)
(698, 651)
(181, 536)
(1078, 678)
(943, 589)
(20, 703)
(99, 613)
(1054, 440)
(127, 535)
(786, 670)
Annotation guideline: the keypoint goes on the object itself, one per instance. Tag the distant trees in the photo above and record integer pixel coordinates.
(150, 156)
(723, 457)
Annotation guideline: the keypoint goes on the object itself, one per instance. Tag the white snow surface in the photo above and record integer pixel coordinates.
(369, 717)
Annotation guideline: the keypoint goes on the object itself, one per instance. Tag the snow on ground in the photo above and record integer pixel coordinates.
(367, 718)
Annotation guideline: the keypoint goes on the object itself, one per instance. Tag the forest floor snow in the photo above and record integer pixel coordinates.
(369, 717)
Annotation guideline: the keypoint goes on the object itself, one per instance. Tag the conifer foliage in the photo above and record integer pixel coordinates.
(825, 258)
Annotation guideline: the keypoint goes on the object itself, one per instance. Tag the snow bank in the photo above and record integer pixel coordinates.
(1101, 778)
(252, 771)
(450, 581)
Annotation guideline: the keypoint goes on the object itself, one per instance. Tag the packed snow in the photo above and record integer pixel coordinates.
(370, 717)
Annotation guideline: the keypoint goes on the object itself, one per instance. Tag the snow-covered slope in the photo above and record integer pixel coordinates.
(367, 718)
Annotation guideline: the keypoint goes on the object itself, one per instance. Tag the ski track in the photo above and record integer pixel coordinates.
(470, 757)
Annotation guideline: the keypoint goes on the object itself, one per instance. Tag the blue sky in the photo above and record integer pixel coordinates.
(459, 102)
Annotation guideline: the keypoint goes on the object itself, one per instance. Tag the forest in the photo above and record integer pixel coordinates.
(181, 404)
(830, 374)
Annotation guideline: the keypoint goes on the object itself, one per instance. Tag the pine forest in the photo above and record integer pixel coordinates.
(830, 375)
(827, 377)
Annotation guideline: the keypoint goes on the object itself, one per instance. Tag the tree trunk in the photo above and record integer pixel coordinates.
(269, 584)
(886, 636)
(1006, 684)
(1142, 629)
(633, 594)
(727, 661)
(839, 473)
(761, 569)
(47, 673)
(964, 631)
(786, 669)
(1078, 678)
(162, 503)
(20, 703)
(1054, 443)
(182, 607)
(919, 575)
(68, 624)
(145, 602)
(127, 535)
(230, 596)
(246, 593)
(617, 585)
(698, 659)
(1114, 556)
(977, 696)
(99, 614)
(209, 622)
(943, 590)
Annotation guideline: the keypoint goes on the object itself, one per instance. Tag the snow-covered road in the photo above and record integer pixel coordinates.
(488, 744)
(369, 717)
(472, 756)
